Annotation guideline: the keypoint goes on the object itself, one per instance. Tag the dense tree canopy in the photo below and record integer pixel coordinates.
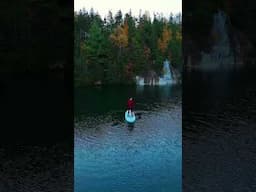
(116, 48)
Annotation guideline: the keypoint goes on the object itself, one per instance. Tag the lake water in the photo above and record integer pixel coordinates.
(218, 133)
(110, 156)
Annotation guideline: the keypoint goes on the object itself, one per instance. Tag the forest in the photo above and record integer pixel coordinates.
(118, 47)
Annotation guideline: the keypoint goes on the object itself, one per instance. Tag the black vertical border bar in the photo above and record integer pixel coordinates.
(36, 96)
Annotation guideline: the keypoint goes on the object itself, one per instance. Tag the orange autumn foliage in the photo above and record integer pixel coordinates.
(120, 36)
(164, 39)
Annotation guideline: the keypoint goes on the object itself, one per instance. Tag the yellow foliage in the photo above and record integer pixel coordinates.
(165, 39)
(120, 36)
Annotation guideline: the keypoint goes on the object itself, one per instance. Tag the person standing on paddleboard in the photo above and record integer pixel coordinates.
(130, 105)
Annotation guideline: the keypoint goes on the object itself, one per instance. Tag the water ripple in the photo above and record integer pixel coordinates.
(107, 151)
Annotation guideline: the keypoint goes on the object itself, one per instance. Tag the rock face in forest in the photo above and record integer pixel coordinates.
(221, 55)
(228, 47)
(170, 76)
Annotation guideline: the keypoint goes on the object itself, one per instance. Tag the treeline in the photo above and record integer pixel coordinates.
(116, 48)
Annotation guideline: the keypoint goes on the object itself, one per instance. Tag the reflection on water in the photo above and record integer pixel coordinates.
(219, 132)
(110, 156)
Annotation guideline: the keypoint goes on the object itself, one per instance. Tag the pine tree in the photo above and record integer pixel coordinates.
(94, 52)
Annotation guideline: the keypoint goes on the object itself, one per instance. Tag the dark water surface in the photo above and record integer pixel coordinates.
(219, 149)
(112, 157)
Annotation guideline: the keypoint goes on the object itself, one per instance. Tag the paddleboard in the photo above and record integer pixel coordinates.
(130, 118)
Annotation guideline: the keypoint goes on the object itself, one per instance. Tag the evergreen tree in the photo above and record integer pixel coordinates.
(116, 49)
(94, 53)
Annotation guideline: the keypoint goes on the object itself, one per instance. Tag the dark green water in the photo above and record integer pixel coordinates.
(112, 157)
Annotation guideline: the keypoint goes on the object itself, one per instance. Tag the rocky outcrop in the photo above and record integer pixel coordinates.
(169, 76)
(151, 78)
(228, 46)
(221, 55)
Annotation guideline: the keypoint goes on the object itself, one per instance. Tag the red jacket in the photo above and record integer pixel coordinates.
(130, 104)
